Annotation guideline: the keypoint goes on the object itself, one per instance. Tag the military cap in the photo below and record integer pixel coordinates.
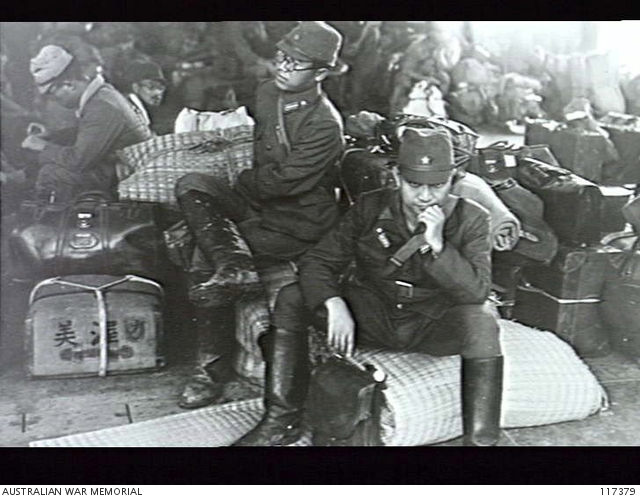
(50, 63)
(313, 41)
(425, 156)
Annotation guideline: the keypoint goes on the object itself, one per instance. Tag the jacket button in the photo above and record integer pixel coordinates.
(399, 306)
(269, 148)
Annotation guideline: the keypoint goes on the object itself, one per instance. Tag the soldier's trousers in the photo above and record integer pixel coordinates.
(469, 330)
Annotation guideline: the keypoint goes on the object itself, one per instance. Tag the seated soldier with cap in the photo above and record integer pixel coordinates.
(283, 205)
(106, 123)
(421, 278)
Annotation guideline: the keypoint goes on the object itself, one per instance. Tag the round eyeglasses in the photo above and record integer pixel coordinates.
(289, 64)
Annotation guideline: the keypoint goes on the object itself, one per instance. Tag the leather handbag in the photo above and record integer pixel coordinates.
(343, 403)
(87, 236)
(572, 204)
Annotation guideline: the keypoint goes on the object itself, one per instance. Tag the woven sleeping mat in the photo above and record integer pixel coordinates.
(545, 382)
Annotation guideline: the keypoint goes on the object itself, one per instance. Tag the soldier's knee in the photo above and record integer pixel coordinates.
(289, 310)
(481, 329)
(473, 315)
(289, 299)
(195, 181)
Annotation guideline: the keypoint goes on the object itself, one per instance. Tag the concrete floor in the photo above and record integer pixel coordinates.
(37, 409)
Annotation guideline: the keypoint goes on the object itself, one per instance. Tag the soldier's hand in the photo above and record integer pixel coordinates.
(340, 326)
(433, 217)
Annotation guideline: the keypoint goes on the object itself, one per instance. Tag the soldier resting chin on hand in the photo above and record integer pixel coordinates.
(422, 276)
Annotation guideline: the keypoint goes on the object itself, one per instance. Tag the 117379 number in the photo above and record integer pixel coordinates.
(617, 491)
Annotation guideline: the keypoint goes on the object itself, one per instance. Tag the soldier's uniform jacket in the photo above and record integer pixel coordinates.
(106, 123)
(373, 230)
(293, 188)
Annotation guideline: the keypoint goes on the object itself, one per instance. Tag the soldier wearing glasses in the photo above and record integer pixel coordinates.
(283, 205)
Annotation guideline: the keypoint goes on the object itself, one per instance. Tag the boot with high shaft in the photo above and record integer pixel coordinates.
(287, 379)
(222, 245)
(481, 400)
(205, 386)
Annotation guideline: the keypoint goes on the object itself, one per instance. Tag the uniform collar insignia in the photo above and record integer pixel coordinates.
(302, 100)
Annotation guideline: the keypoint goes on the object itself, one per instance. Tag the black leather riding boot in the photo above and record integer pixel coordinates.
(222, 245)
(481, 400)
(206, 384)
(287, 379)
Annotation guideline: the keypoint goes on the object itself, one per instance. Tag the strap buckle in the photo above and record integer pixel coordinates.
(404, 289)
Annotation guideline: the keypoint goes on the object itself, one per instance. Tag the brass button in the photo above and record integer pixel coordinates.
(399, 306)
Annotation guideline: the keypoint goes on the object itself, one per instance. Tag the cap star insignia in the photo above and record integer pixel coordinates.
(425, 160)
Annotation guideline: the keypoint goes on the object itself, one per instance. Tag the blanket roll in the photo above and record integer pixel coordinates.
(505, 226)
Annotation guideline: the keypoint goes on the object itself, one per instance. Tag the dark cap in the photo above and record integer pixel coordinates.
(426, 156)
(313, 41)
(139, 70)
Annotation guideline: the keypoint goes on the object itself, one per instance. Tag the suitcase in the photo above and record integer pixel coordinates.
(87, 325)
(572, 204)
(611, 216)
(580, 151)
(621, 300)
(564, 297)
(624, 132)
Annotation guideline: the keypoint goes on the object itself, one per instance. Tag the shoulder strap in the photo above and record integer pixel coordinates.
(281, 131)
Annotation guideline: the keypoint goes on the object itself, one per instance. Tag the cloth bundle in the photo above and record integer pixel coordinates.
(148, 171)
(505, 226)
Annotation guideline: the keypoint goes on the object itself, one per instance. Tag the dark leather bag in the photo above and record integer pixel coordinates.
(364, 170)
(343, 403)
(87, 236)
(572, 204)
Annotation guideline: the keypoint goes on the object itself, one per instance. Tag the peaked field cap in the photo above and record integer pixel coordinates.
(50, 63)
(425, 156)
(313, 41)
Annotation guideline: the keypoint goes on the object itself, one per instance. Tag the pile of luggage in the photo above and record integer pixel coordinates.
(558, 273)
(97, 306)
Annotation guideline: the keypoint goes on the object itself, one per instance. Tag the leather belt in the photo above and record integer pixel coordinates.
(404, 290)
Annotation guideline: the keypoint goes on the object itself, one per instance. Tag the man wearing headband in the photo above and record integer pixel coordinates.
(422, 276)
(106, 123)
(284, 204)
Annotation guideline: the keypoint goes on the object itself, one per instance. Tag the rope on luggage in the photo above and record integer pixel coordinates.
(102, 306)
